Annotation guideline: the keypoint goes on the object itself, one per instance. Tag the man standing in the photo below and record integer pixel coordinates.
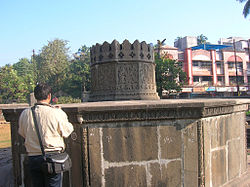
(53, 127)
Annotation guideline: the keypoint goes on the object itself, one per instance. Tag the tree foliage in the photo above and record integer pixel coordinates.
(169, 75)
(79, 73)
(14, 88)
(201, 39)
(246, 7)
(23, 67)
(53, 63)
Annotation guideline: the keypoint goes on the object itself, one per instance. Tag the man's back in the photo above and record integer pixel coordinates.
(53, 126)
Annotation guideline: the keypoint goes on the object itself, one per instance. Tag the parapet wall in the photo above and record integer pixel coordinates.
(150, 143)
(9, 106)
(122, 71)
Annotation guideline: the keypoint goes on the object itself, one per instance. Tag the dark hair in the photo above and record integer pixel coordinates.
(42, 91)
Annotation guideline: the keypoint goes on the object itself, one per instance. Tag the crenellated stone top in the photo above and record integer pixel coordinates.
(122, 52)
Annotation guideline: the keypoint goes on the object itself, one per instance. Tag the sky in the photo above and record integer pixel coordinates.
(27, 24)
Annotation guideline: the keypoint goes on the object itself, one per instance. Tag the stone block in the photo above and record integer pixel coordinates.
(218, 131)
(207, 149)
(170, 142)
(132, 175)
(166, 174)
(234, 122)
(218, 167)
(243, 149)
(234, 158)
(190, 155)
(74, 148)
(124, 144)
(95, 157)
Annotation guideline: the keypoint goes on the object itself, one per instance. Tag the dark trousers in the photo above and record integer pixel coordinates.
(40, 179)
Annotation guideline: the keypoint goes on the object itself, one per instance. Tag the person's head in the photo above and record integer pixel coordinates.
(42, 92)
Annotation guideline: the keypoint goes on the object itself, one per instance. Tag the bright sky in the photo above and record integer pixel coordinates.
(26, 25)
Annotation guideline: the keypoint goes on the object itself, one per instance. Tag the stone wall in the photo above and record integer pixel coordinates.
(224, 159)
(150, 143)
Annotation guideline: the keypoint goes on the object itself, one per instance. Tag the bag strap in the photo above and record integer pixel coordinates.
(37, 130)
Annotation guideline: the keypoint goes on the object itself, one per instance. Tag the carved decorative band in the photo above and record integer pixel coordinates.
(213, 111)
(122, 52)
(122, 61)
(158, 114)
(141, 115)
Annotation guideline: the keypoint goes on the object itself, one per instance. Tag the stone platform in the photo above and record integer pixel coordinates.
(149, 143)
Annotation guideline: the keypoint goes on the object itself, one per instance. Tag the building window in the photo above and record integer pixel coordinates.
(196, 79)
(219, 64)
(220, 78)
(248, 67)
(241, 79)
(206, 64)
(239, 66)
(233, 81)
(206, 78)
(230, 65)
(195, 63)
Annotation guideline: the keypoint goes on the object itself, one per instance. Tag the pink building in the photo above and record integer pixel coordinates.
(212, 72)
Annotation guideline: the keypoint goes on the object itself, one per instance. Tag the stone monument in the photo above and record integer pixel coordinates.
(123, 71)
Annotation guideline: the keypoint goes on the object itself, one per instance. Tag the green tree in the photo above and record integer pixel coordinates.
(169, 75)
(158, 47)
(23, 67)
(201, 39)
(78, 79)
(246, 7)
(13, 87)
(26, 74)
(83, 53)
(53, 63)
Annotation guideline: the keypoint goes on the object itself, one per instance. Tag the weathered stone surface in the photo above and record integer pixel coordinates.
(218, 164)
(95, 157)
(190, 158)
(122, 71)
(243, 142)
(73, 147)
(234, 159)
(132, 175)
(218, 132)
(166, 174)
(170, 142)
(207, 149)
(130, 144)
(113, 122)
(235, 121)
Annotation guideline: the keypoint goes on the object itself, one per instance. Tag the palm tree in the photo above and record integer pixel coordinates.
(201, 39)
(246, 7)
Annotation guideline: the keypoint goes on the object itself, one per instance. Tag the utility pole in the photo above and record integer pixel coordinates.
(236, 69)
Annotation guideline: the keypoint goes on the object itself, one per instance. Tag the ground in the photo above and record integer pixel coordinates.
(5, 156)
(6, 168)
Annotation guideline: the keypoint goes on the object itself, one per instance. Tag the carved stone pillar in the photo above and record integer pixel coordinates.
(122, 71)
